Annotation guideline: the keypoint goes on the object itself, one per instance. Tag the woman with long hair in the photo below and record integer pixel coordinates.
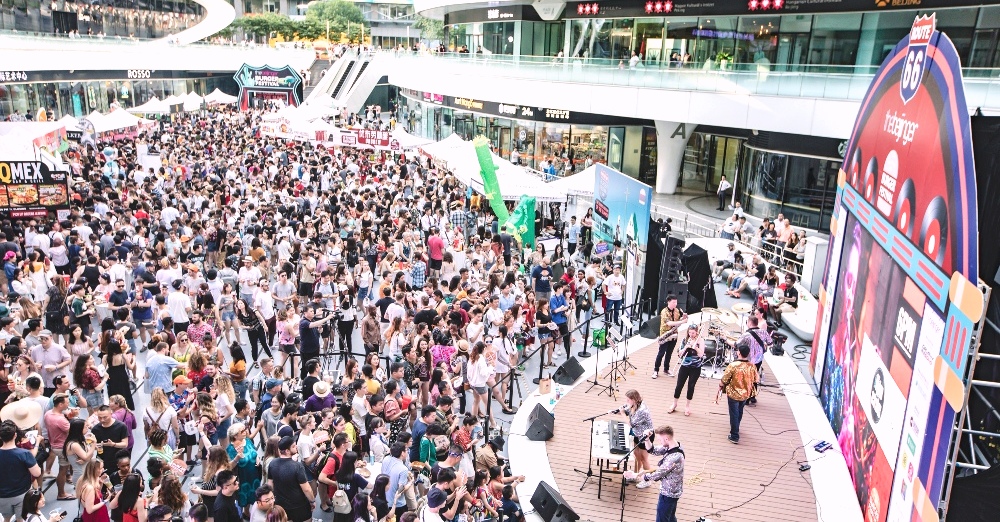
(118, 363)
(77, 343)
(238, 371)
(352, 372)
(77, 449)
(370, 335)
(478, 373)
(347, 319)
(586, 225)
(122, 413)
(364, 510)
(227, 314)
(253, 322)
(225, 398)
(56, 318)
(159, 414)
(209, 489)
(395, 339)
(691, 352)
(208, 416)
(639, 420)
(546, 331)
(132, 505)
(89, 382)
(350, 482)
(196, 366)
(95, 493)
(31, 508)
(171, 495)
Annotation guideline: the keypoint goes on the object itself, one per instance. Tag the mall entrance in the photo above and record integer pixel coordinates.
(707, 158)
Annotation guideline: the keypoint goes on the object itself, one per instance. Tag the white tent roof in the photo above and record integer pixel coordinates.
(579, 184)
(153, 106)
(218, 96)
(409, 141)
(460, 158)
(192, 101)
(70, 122)
(115, 120)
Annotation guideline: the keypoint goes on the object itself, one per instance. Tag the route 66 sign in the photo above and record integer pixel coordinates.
(916, 56)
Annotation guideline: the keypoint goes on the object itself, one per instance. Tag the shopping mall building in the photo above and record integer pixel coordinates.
(676, 93)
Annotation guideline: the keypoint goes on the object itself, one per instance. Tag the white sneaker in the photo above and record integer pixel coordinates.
(656, 374)
(644, 484)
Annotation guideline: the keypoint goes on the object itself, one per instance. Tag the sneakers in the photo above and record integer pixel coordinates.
(731, 439)
(643, 484)
(670, 374)
(656, 374)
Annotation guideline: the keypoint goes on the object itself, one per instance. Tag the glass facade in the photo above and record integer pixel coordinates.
(802, 188)
(707, 158)
(782, 42)
(78, 99)
(567, 146)
(124, 18)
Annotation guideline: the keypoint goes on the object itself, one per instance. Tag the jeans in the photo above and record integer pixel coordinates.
(614, 309)
(666, 350)
(735, 416)
(666, 509)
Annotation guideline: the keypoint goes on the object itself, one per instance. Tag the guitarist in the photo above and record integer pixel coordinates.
(670, 320)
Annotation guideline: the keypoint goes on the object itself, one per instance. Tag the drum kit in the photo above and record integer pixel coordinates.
(724, 328)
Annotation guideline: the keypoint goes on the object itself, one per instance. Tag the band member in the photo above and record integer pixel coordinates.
(670, 320)
(669, 471)
(640, 420)
(692, 355)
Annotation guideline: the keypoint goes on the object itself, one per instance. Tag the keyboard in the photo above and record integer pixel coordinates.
(616, 436)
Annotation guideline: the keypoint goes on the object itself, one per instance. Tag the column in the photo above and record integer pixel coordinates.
(671, 140)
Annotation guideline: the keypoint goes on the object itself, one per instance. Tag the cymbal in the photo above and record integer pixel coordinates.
(711, 311)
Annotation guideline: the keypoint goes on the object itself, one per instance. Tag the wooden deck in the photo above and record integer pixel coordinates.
(718, 474)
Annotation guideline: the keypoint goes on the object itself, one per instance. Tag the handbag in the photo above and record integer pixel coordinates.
(545, 385)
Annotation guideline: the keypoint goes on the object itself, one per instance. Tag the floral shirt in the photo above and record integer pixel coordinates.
(669, 471)
(197, 333)
(738, 380)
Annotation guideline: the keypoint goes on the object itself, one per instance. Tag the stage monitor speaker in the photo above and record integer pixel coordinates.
(569, 372)
(678, 290)
(540, 424)
(550, 506)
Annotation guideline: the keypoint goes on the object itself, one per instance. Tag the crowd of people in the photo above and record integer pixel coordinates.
(306, 330)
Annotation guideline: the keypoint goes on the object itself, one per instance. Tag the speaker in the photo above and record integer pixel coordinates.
(569, 372)
(550, 506)
(678, 290)
(672, 260)
(540, 424)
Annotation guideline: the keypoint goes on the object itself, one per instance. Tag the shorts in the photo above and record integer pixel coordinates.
(187, 440)
(543, 295)
(306, 290)
(62, 459)
(786, 308)
(287, 348)
(228, 316)
(94, 398)
(481, 390)
(435, 264)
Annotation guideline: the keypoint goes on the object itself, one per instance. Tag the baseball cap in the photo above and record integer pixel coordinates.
(286, 442)
(271, 383)
(435, 497)
(182, 379)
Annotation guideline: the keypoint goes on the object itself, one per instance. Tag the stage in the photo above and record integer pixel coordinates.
(718, 474)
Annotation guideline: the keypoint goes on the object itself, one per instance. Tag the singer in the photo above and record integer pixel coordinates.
(640, 421)
(669, 471)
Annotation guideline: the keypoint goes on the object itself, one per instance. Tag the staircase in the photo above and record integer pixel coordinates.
(315, 75)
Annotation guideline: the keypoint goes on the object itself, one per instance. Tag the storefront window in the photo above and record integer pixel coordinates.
(680, 39)
(649, 40)
(524, 141)
(500, 136)
(809, 188)
(758, 42)
(714, 36)
(763, 182)
(621, 39)
(498, 38)
(553, 144)
(588, 141)
(835, 39)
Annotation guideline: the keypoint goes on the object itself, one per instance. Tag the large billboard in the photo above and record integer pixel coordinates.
(29, 189)
(621, 211)
(898, 307)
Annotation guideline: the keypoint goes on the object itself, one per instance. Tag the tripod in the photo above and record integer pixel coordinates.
(605, 388)
(514, 382)
(623, 464)
(590, 458)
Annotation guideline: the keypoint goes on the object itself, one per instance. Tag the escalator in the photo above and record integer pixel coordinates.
(361, 71)
(343, 79)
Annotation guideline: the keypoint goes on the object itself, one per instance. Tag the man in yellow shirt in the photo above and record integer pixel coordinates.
(670, 320)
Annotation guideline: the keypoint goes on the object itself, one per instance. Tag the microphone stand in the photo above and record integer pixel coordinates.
(590, 459)
(624, 462)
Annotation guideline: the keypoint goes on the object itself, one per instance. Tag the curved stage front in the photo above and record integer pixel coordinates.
(718, 474)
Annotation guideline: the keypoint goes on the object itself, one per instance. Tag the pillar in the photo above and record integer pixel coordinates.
(671, 140)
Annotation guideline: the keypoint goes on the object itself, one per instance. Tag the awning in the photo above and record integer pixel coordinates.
(218, 97)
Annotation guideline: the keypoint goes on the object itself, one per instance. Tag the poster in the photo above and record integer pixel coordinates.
(898, 307)
(29, 189)
(621, 211)
(266, 83)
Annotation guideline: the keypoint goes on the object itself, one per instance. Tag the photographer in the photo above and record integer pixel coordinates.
(309, 332)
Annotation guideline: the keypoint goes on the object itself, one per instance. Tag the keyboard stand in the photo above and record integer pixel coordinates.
(590, 458)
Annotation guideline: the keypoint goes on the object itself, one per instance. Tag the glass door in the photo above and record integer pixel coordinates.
(616, 147)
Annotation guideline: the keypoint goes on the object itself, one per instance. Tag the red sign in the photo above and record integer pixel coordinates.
(373, 138)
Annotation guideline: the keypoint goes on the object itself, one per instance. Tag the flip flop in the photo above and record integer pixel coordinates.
(67, 497)
(687, 413)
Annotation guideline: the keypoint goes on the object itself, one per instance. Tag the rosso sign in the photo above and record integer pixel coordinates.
(139, 74)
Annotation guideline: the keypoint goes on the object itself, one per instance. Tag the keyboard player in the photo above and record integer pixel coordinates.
(640, 421)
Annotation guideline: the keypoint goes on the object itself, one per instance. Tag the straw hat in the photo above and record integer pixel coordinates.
(321, 389)
(25, 413)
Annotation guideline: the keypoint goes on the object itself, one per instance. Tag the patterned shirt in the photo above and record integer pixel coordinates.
(669, 471)
(458, 219)
(738, 380)
(418, 274)
(756, 350)
(197, 333)
(640, 420)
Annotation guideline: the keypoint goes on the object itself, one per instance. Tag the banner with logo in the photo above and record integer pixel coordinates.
(266, 83)
(28, 189)
(899, 305)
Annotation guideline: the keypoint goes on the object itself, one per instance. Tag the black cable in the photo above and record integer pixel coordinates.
(759, 493)
(801, 351)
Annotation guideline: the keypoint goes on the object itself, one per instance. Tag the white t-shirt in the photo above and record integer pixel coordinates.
(360, 410)
(614, 286)
(177, 305)
(164, 421)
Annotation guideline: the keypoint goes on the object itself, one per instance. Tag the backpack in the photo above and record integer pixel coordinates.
(341, 504)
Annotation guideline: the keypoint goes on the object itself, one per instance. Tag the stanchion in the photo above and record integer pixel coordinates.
(586, 337)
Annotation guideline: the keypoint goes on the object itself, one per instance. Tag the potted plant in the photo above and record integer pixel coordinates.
(723, 58)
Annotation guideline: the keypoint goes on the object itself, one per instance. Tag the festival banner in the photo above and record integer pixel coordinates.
(29, 189)
(899, 304)
(621, 211)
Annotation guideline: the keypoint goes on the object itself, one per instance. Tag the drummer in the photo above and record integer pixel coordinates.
(671, 318)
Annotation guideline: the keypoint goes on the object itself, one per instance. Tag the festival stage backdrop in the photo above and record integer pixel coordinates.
(621, 210)
(899, 307)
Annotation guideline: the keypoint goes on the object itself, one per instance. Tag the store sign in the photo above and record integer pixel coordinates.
(631, 8)
(493, 14)
(138, 74)
(13, 76)
(31, 189)
(469, 103)
(497, 14)
(556, 114)
(267, 82)
(375, 138)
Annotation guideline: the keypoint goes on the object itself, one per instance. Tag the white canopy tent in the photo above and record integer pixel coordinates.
(409, 141)
(71, 123)
(153, 106)
(459, 157)
(579, 184)
(115, 120)
(192, 101)
(217, 97)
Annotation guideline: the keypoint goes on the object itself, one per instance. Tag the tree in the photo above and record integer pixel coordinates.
(310, 29)
(430, 29)
(339, 11)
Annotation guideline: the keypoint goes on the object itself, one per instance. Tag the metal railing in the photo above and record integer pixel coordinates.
(810, 81)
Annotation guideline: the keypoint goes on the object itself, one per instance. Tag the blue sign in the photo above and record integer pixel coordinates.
(621, 209)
